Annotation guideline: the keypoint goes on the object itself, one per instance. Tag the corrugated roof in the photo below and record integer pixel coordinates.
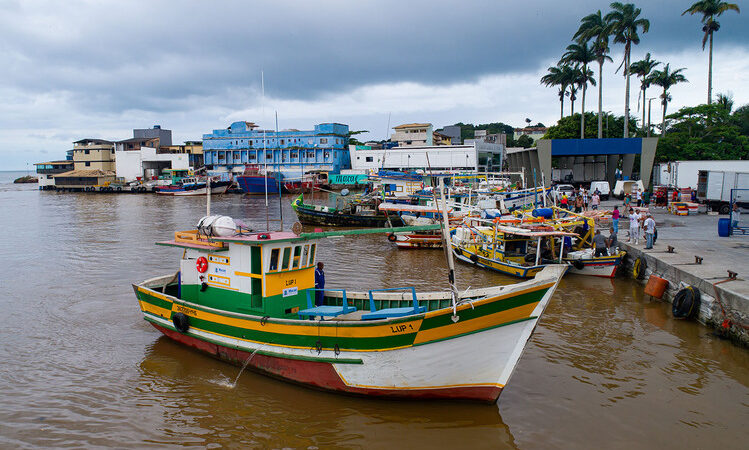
(95, 141)
(86, 173)
(413, 125)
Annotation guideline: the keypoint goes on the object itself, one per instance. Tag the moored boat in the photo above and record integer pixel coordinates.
(250, 299)
(254, 181)
(356, 212)
(193, 186)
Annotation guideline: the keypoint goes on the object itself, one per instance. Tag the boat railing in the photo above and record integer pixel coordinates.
(384, 300)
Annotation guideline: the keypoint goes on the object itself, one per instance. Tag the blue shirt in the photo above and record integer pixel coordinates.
(319, 279)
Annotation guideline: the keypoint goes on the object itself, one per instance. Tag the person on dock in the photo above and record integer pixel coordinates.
(634, 227)
(627, 200)
(646, 198)
(595, 200)
(615, 220)
(565, 201)
(319, 284)
(638, 196)
(599, 243)
(649, 226)
(612, 242)
(579, 204)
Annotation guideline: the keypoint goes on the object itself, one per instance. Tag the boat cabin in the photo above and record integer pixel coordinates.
(265, 274)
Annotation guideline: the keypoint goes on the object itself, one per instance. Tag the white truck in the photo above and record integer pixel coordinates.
(684, 174)
(714, 189)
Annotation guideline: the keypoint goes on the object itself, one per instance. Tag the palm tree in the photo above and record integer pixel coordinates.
(595, 28)
(556, 77)
(642, 69)
(666, 78)
(581, 55)
(726, 101)
(571, 76)
(624, 25)
(710, 9)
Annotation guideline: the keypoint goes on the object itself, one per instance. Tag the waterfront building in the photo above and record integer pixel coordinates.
(534, 133)
(478, 156)
(454, 132)
(194, 150)
(164, 136)
(92, 154)
(46, 172)
(290, 152)
(145, 163)
(441, 139)
(489, 138)
(413, 135)
(83, 179)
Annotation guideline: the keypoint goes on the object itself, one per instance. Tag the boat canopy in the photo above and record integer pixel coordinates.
(410, 208)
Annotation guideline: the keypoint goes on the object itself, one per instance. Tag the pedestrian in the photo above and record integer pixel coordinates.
(646, 198)
(634, 227)
(595, 200)
(627, 201)
(599, 243)
(638, 196)
(693, 195)
(643, 215)
(579, 204)
(615, 220)
(612, 242)
(735, 216)
(649, 226)
(319, 284)
(586, 198)
(565, 201)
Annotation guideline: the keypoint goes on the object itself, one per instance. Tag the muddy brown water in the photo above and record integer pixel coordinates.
(606, 367)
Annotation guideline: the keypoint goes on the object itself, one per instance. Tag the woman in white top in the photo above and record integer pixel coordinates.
(634, 226)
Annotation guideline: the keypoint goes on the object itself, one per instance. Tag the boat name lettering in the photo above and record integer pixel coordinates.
(188, 311)
(288, 292)
(291, 282)
(220, 270)
(401, 328)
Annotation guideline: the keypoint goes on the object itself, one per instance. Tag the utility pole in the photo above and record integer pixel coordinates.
(649, 105)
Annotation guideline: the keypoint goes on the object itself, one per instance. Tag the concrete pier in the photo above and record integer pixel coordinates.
(691, 237)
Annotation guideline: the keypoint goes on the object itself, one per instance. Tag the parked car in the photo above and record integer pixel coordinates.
(603, 188)
(562, 189)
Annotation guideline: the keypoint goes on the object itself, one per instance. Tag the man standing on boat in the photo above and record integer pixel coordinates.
(319, 284)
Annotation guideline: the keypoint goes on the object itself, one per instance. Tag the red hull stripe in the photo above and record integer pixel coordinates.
(322, 375)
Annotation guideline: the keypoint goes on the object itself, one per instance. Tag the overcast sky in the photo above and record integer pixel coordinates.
(77, 69)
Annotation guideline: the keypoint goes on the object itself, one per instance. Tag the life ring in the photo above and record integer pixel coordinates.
(638, 268)
(686, 303)
(577, 264)
(181, 322)
(392, 238)
(201, 264)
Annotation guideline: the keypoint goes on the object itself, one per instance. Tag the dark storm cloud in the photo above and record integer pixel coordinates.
(164, 56)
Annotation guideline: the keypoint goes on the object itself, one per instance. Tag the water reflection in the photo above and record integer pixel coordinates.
(194, 387)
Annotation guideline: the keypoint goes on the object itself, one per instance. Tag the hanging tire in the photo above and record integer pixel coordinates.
(639, 267)
(474, 258)
(577, 264)
(181, 322)
(392, 238)
(686, 303)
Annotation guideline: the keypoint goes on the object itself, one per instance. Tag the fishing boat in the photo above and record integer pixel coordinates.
(505, 248)
(310, 180)
(357, 211)
(249, 299)
(193, 186)
(255, 181)
(413, 215)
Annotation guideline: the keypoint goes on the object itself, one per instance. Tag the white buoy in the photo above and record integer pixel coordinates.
(224, 226)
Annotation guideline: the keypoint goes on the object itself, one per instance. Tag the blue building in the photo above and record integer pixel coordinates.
(290, 152)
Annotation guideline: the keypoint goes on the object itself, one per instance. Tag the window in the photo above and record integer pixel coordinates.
(281, 141)
(286, 258)
(323, 140)
(268, 155)
(369, 158)
(312, 253)
(273, 259)
(87, 151)
(88, 163)
(305, 255)
(297, 257)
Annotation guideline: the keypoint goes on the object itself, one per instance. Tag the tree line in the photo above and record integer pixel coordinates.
(592, 44)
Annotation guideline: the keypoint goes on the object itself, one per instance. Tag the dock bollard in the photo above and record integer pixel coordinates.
(697, 259)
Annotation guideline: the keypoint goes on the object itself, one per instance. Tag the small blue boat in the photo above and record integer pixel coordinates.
(253, 182)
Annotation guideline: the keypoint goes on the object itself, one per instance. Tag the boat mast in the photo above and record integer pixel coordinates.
(265, 155)
(448, 249)
(208, 194)
(278, 177)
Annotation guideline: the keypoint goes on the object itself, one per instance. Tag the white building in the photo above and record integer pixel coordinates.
(146, 162)
(413, 135)
(478, 156)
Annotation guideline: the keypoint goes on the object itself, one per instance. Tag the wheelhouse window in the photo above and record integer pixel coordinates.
(273, 259)
(286, 258)
(297, 256)
(305, 255)
(312, 253)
